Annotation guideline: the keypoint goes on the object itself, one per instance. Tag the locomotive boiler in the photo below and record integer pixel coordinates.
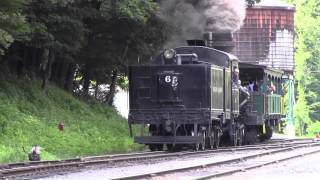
(193, 96)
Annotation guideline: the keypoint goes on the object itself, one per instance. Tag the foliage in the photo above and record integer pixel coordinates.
(28, 117)
(136, 10)
(252, 2)
(123, 82)
(56, 24)
(314, 129)
(307, 55)
(129, 30)
(94, 38)
(13, 25)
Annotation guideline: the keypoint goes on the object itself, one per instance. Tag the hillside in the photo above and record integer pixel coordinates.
(28, 117)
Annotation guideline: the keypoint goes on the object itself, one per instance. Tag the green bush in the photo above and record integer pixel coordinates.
(314, 129)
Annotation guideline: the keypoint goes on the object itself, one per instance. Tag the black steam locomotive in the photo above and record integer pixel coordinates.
(195, 95)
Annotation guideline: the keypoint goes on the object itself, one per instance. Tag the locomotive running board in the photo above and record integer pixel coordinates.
(168, 139)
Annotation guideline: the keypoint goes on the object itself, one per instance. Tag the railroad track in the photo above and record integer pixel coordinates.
(257, 146)
(46, 168)
(137, 156)
(230, 166)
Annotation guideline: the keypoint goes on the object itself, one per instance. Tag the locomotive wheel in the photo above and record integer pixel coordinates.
(212, 139)
(251, 136)
(169, 147)
(241, 137)
(269, 132)
(267, 135)
(234, 139)
(156, 147)
(196, 147)
(153, 147)
(233, 136)
(203, 142)
(152, 131)
(176, 147)
(216, 137)
(159, 147)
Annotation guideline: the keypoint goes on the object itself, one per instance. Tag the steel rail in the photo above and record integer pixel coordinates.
(230, 172)
(89, 158)
(187, 153)
(194, 167)
(25, 168)
(139, 156)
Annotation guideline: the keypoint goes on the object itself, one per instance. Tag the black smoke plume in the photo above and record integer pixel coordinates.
(191, 18)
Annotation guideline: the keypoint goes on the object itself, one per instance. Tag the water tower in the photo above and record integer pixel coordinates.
(267, 36)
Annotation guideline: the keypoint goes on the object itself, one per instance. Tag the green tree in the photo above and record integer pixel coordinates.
(57, 33)
(307, 23)
(128, 30)
(96, 39)
(13, 25)
(252, 2)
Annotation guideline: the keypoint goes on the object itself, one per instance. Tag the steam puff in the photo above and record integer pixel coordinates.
(192, 18)
(186, 19)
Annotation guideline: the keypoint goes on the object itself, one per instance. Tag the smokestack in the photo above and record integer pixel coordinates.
(221, 41)
(196, 42)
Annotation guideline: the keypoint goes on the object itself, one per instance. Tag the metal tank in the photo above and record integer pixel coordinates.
(267, 35)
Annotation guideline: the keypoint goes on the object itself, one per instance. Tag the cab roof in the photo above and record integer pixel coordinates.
(267, 70)
(205, 54)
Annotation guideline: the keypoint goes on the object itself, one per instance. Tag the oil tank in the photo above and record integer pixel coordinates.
(267, 35)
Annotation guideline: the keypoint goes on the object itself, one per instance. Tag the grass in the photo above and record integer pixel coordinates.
(28, 117)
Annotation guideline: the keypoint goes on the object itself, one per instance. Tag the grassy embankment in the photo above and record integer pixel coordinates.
(28, 117)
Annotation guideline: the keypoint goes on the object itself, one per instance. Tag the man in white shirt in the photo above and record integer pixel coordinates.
(250, 86)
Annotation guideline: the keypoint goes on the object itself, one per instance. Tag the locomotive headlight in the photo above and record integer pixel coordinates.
(169, 53)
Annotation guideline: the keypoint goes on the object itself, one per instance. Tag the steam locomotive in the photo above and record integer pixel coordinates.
(196, 96)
